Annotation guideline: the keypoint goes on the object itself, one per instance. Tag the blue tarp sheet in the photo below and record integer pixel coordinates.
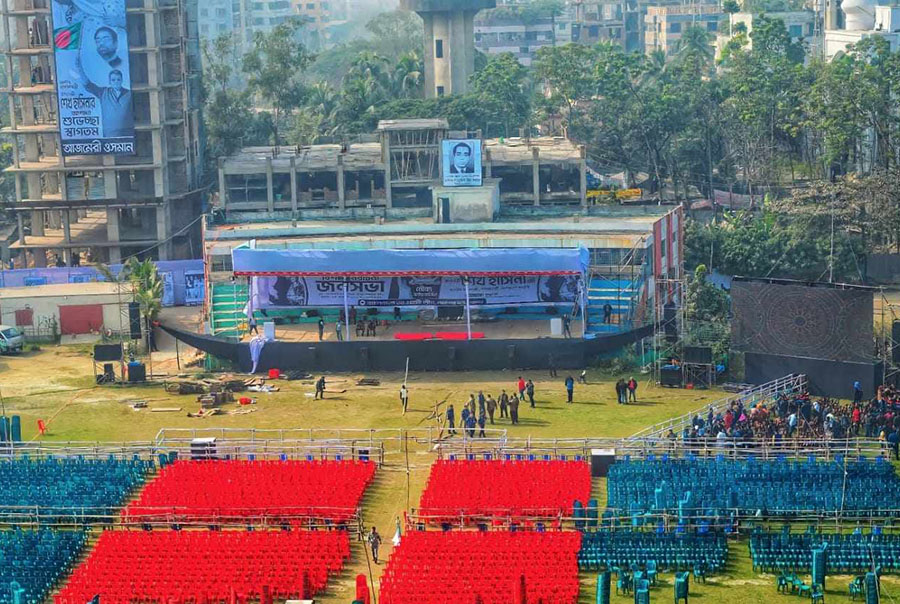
(476, 262)
(176, 288)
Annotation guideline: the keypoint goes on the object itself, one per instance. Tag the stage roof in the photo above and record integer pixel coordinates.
(392, 263)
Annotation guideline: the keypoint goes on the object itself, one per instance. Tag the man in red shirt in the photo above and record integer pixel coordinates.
(521, 387)
(857, 415)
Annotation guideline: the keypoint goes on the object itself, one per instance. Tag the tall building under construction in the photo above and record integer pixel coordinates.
(104, 113)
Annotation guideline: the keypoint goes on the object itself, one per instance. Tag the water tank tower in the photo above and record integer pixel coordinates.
(860, 14)
(449, 42)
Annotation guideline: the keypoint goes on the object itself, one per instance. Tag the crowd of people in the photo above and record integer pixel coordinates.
(484, 410)
(804, 417)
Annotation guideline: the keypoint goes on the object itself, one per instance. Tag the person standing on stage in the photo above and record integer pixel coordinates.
(321, 328)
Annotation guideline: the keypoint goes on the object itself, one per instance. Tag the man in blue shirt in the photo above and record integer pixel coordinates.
(451, 420)
(570, 387)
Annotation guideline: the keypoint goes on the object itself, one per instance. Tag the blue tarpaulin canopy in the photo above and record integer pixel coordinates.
(390, 263)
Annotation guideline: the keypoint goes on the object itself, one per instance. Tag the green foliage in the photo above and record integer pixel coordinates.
(273, 68)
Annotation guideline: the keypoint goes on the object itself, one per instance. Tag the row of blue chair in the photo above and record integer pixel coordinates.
(84, 485)
(855, 553)
(668, 551)
(35, 561)
(778, 487)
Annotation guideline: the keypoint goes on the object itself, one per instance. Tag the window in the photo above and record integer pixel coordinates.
(257, 6)
(220, 13)
(204, 29)
(796, 31)
(310, 6)
(440, 91)
(438, 49)
(712, 26)
(204, 12)
(675, 28)
(222, 27)
(594, 31)
(561, 26)
(279, 5)
(258, 21)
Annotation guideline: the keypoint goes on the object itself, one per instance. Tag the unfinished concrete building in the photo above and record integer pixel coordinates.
(397, 168)
(107, 207)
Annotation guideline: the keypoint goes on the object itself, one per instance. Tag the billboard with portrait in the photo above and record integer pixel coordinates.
(461, 162)
(414, 291)
(93, 77)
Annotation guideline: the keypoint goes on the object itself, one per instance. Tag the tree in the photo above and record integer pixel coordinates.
(730, 7)
(504, 90)
(396, 33)
(227, 105)
(568, 73)
(274, 67)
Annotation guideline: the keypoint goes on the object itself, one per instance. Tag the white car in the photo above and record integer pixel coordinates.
(11, 339)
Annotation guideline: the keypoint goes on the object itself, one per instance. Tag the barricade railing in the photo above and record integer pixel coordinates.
(169, 517)
(730, 520)
(643, 448)
(789, 384)
(367, 449)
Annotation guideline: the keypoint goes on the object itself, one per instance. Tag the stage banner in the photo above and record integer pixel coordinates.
(194, 287)
(287, 292)
(93, 77)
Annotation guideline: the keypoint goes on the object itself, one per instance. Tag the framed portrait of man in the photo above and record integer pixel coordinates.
(461, 162)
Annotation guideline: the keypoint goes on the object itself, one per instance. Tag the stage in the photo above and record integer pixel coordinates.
(428, 355)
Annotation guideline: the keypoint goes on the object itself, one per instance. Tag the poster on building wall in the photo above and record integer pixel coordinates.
(461, 162)
(30, 281)
(168, 296)
(80, 278)
(93, 77)
(273, 292)
(194, 287)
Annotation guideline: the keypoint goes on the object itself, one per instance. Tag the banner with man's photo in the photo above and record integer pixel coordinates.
(93, 77)
(287, 292)
(461, 162)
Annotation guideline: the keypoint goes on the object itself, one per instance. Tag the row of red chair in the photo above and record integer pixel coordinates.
(219, 489)
(497, 488)
(211, 566)
(467, 567)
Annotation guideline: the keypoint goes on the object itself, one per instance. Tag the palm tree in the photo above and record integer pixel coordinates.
(146, 286)
(408, 76)
(694, 45)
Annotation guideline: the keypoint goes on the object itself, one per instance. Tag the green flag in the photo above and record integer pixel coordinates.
(68, 38)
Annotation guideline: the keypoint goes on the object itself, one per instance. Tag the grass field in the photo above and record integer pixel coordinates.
(56, 385)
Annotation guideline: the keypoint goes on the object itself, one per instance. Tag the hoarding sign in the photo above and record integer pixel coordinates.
(461, 162)
(93, 77)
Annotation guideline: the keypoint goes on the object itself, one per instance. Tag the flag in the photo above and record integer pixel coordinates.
(67, 38)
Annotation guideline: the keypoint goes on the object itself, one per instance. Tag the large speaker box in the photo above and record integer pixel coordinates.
(601, 459)
(134, 320)
(203, 448)
(107, 352)
(698, 354)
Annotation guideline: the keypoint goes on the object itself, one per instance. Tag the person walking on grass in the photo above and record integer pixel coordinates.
(504, 404)
(520, 386)
(570, 387)
(632, 389)
(491, 405)
(404, 397)
(374, 542)
(451, 420)
(514, 409)
(320, 388)
(529, 389)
